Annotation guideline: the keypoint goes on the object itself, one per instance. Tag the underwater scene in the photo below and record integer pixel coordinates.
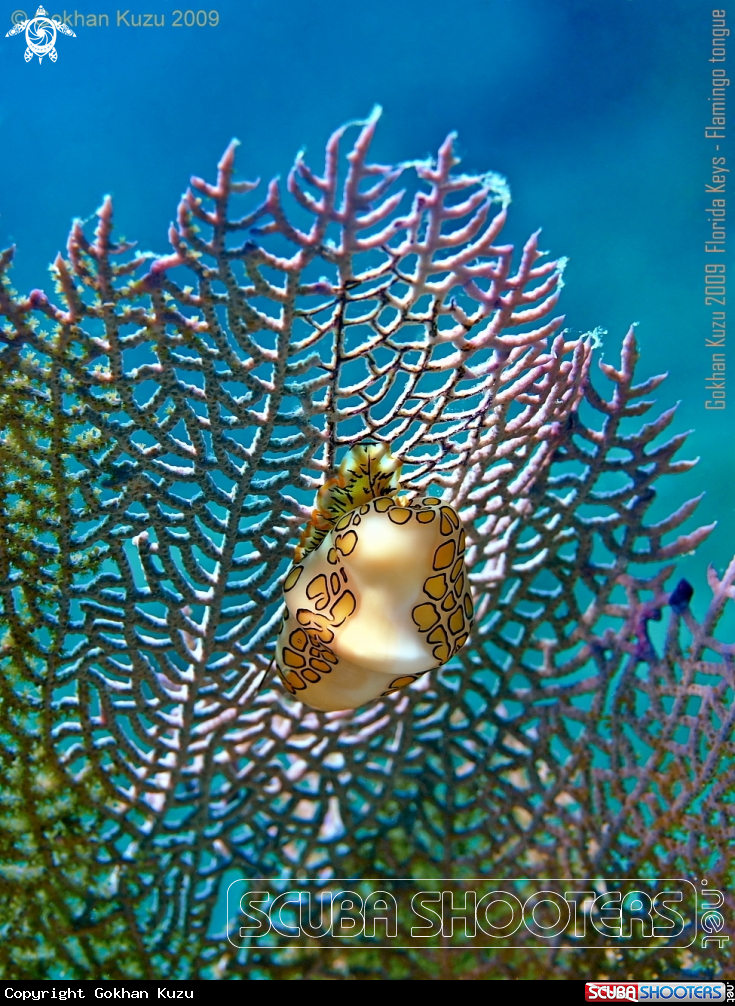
(366, 508)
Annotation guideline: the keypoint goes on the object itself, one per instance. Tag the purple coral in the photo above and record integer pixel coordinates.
(192, 422)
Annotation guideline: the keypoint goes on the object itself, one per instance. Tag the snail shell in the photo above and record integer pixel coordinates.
(380, 598)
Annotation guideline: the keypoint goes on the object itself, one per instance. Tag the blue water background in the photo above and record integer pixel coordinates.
(594, 110)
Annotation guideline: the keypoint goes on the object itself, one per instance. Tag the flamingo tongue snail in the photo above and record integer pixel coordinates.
(378, 592)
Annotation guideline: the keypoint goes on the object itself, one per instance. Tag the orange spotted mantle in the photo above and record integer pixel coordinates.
(380, 600)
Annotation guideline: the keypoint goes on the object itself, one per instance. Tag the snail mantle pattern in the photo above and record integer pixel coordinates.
(378, 594)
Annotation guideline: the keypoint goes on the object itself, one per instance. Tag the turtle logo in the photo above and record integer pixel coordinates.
(40, 35)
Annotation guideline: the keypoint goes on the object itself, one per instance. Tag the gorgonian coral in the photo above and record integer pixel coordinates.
(167, 421)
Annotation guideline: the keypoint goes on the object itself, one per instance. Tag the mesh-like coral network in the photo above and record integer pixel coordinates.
(166, 423)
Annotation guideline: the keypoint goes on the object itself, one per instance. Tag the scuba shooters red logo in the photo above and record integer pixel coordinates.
(655, 991)
(594, 991)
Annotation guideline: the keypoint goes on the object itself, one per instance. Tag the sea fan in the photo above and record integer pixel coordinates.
(167, 421)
